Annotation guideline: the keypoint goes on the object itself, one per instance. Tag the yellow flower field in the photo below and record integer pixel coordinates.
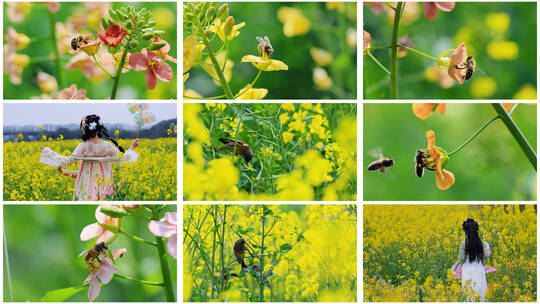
(153, 177)
(309, 253)
(410, 249)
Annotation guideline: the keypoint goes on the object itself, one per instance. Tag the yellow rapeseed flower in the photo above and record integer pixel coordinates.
(219, 27)
(483, 87)
(498, 22)
(321, 79)
(527, 91)
(266, 65)
(320, 56)
(294, 22)
(503, 50)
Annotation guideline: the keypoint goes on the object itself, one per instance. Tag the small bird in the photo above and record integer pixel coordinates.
(239, 249)
(242, 148)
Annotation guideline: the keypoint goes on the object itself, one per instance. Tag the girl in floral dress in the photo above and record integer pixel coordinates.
(94, 178)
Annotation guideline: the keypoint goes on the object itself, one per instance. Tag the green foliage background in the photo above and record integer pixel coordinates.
(491, 167)
(328, 30)
(436, 36)
(36, 25)
(43, 244)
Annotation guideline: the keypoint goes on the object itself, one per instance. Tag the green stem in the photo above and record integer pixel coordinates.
(377, 48)
(222, 248)
(136, 238)
(516, 132)
(261, 282)
(59, 70)
(40, 59)
(249, 86)
(137, 280)
(217, 68)
(474, 135)
(167, 282)
(378, 63)
(101, 67)
(6, 261)
(213, 97)
(238, 128)
(393, 53)
(120, 68)
(418, 52)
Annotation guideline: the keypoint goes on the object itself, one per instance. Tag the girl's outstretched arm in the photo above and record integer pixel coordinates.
(134, 144)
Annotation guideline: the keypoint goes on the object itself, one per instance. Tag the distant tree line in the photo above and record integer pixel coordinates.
(158, 130)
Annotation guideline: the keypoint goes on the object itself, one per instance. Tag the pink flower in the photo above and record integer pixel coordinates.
(16, 40)
(105, 273)
(89, 68)
(113, 36)
(14, 63)
(72, 93)
(164, 51)
(16, 11)
(154, 66)
(432, 8)
(53, 6)
(93, 230)
(166, 227)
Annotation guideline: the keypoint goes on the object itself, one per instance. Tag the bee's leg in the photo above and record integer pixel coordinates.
(461, 68)
(430, 169)
(98, 259)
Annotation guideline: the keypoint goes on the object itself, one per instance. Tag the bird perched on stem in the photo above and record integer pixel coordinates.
(242, 148)
(239, 249)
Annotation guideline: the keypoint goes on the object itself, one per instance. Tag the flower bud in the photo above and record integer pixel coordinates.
(21, 60)
(122, 16)
(113, 211)
(210, 13)
(156, 46)
(147, 36)
(207, 33)
(133, 44)
(129, 24)
(158, 33)
(112, 49)
(112, 14)
(188, 17)
(105, 23)
(227, 30)
(22, 41)
(223, 12)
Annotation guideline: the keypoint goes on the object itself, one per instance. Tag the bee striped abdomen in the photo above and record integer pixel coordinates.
(381, 164)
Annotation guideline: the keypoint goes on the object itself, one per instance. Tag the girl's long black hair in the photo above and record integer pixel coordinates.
(474, 247)
(91, 126)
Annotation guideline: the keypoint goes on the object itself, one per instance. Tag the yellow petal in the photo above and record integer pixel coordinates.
(190, 52)
(444, 179)
(253, 93)
(265, 65)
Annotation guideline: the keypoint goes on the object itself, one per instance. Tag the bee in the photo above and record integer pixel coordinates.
(419, 163)
(242, 148)
(265, 48)
(80, 40)
(94, 253)
(382, 163)
(470, 66)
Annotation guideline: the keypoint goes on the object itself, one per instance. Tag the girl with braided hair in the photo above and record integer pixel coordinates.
(472, 256)
(94, 178)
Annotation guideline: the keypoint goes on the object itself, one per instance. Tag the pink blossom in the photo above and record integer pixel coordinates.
(432, 8)
(72, 93)
(94, 230)
(113, 36)
(105, 273)
(154, 66)
(53, 6)
(89, 68)
(16, 11)
(167, 228)
(14, 63)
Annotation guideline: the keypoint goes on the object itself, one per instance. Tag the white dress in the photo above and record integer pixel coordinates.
(94, 178)
(473, 279)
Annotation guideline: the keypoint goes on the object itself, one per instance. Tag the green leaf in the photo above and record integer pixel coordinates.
(285, 247)
(108, 227)
(113, 211)
(61, 295)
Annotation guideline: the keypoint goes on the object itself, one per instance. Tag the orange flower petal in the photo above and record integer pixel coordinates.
(444, 179)
(508, 106)
(458, 58)
(441, 108)
(430, 135)
(422, 110)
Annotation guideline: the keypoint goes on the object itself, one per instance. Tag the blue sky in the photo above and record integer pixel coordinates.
(65, 113)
